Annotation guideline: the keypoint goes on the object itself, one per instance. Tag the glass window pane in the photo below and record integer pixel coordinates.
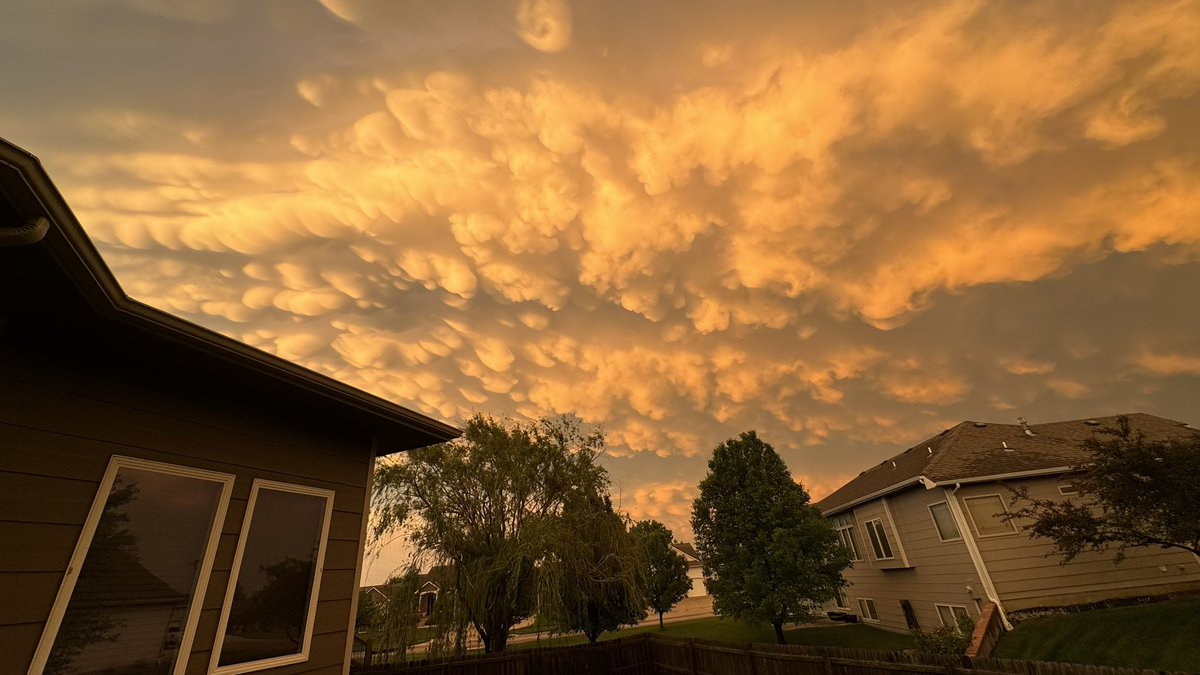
(879, 540)
(269, 612)
(946, 615)
(946, 527)
(986, 513)
(131, 600)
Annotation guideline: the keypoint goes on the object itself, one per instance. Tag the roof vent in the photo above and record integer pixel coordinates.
(893, 465)
(979, 425)
(1092, 423)
(1024, 426)
(930, 449)
(1006, 448)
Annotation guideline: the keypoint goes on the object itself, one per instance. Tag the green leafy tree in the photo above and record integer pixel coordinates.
(485, 508)
(369, 612)
(770, 555)
(667, 579)
(1133, 492)
(397, 627)
(595, 575)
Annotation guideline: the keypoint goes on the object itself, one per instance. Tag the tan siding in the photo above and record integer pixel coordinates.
(51, 465)
(1025, 577)
(940, 571)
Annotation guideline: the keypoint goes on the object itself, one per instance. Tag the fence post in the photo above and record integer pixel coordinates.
(750, 656)
(692, 656)
(828, 662)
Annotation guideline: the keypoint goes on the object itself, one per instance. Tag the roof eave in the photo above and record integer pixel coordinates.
(96, 281)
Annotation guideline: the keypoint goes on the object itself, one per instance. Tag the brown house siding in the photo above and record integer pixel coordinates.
(1025, 577)
(56, 441)
(939, 572)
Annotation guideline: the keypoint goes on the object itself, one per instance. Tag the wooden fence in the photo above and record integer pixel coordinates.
(648, 654)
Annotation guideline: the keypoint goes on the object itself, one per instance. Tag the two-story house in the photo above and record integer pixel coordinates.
(927, 532)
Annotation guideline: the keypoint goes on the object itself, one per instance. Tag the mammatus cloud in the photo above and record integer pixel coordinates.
(846, 231)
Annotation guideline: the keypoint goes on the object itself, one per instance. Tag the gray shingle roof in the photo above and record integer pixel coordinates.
(975, 449)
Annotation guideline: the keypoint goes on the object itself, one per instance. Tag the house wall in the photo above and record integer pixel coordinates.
(65, 412)
(937, 573)
(696, 574)
(1026, 578)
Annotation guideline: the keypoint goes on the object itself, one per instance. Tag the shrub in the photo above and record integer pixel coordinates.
(946, 639)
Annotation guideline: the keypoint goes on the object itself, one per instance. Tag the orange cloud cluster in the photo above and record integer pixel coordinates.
(839, 228)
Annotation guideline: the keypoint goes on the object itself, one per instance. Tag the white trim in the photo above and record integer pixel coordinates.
(875, 540)
(849, 528)
(935, 523)
(951, 608)
(895, 528)
(1070, 490)
(199, 589)
(862, 610)
(1004, 506)
(315, 590)
(981, 569)
(878, 493)
(949, 482)
(351, 630)
(1004, 476)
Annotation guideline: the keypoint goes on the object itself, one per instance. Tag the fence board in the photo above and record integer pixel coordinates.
(653, 655)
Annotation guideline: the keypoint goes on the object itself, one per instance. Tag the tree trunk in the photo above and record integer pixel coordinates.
(660, 622)
(779, 632)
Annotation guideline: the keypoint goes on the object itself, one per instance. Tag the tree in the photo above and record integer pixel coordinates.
(594, 572)
(485, 508)
(770, 555)
(1133, 492)
(282, 602)
(667, 579)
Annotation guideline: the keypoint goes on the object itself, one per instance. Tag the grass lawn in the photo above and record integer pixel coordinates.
(852, 635)
(1162, 636)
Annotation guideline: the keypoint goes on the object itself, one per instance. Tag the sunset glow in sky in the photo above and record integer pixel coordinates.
(847, 225)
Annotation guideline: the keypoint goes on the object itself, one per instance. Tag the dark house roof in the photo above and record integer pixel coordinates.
(978, 451)
(49, 269)
(686, 548)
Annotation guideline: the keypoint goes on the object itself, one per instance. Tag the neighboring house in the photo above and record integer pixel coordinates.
(695, 569)
(427, 592)
(171, 500)
(929, 544)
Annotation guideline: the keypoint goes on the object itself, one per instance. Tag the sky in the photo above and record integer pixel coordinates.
(846, 225)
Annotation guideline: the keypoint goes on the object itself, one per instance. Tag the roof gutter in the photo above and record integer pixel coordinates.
(997, 476)
(879, 493)
(30, 232)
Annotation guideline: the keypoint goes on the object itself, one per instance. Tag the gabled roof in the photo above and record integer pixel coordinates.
(687, 549)
(974, 451)
(45, 257)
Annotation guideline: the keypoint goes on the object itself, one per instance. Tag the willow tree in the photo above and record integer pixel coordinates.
(485, 508)
(594, 573)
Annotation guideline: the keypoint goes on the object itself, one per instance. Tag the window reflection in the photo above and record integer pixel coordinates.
(127, 612)
(269, 611)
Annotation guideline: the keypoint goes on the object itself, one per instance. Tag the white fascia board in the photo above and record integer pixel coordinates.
(1032, 473)
(879, 493)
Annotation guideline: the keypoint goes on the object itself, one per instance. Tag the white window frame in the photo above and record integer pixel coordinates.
(196, 601)
(935, 523)
(311, 616)
(845, 523)
(882, 532)
(951, 608)
(975, 526)
(840, 594)
(862, 610)
(1067, 489)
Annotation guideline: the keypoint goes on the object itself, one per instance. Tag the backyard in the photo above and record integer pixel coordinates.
(1162, 636)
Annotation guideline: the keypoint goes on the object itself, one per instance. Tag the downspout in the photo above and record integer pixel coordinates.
(30, 232)
(362, 550)
(976, 557)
